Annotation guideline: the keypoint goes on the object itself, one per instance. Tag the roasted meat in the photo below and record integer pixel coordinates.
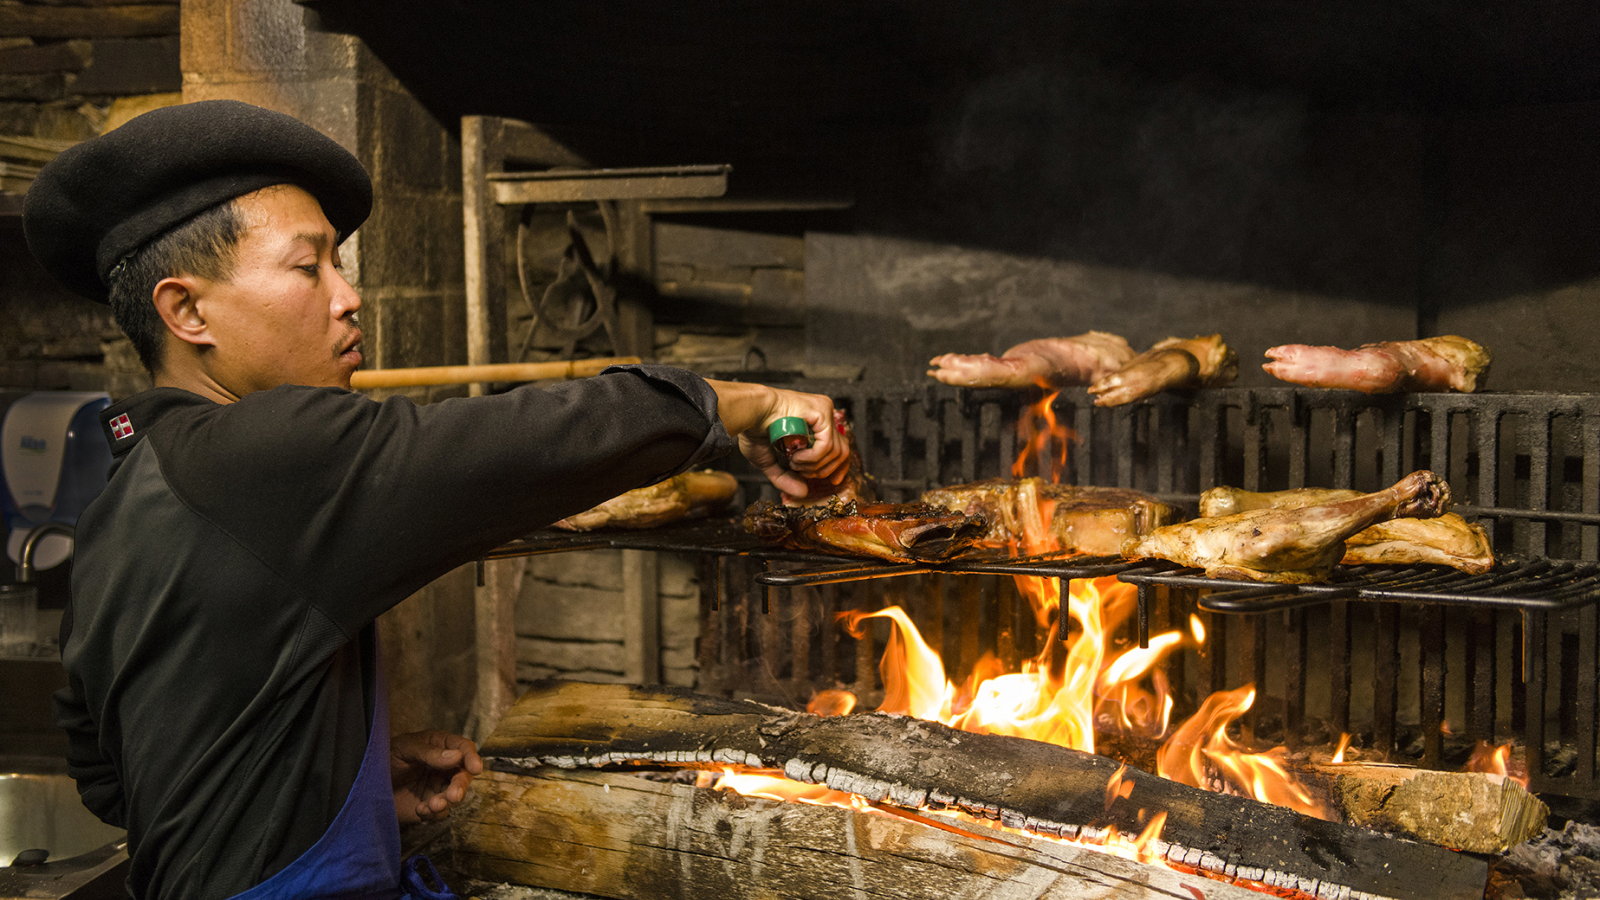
(893, 531)
(1035, 516)
(1290, 546)
(1446, 363)
(1046, 362)
(1447, 540)
(857, 484)
(1174, 363)
(682, 496)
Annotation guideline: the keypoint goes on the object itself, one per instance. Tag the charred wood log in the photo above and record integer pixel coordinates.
(1037, 787)
(618, 835)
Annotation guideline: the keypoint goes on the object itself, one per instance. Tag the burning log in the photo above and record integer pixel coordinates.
(619, 835)
(1028, 785)
(1473, 811)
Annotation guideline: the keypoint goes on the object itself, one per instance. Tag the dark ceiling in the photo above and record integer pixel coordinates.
(780, 85)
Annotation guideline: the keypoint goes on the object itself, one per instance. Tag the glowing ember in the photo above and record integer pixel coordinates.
(776, 787)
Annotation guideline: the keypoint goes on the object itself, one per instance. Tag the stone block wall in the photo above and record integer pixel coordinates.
(406, 262)
(67, 74)
(570, 620)
(730, 299)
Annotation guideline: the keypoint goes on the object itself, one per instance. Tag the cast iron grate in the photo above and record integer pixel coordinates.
(1400, 654)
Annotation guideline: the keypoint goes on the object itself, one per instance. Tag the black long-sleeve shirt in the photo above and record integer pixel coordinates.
(218, 643)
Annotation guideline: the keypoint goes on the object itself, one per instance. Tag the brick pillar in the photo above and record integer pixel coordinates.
(406, 262)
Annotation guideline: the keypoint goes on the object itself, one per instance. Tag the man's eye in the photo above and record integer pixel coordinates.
(311, 269)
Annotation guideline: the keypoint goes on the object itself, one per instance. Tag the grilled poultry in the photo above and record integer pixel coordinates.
(1448, 540)
(1203, 361)
(680, 497)
(1289, 546)
(1038, 517)
(1047, 362)
(1446, 363)
(893, 531)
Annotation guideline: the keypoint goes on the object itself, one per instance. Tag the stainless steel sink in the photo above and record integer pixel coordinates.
(41, 811)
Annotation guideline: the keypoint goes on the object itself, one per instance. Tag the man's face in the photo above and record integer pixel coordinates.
(286, 316)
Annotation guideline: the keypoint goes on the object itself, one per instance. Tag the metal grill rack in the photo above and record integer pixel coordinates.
(1401, 653)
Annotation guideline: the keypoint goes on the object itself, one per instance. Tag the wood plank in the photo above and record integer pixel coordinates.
(144, 20)
(910, 763)
(618, 835)
(67, 56)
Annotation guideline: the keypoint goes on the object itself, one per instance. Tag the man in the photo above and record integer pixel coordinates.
(225, 703)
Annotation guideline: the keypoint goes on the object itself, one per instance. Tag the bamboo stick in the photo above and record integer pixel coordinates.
(535, 371)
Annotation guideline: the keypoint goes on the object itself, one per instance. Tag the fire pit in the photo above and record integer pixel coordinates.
(1454, 662)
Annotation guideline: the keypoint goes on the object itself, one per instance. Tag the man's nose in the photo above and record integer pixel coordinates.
(345, 299)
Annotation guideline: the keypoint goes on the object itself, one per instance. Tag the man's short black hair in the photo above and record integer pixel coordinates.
(205, 246)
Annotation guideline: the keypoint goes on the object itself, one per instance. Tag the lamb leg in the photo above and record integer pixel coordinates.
(1291, 546)
(1046, 362)
(1174, 363)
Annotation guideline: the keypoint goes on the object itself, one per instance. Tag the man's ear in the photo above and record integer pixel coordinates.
(174, 300)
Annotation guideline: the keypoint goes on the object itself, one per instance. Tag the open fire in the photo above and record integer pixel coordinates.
(1071, 690)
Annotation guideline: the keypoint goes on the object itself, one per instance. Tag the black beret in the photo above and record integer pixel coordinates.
(101, 200)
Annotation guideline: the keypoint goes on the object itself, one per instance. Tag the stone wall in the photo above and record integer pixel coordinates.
(730, 298)
(66, 75)
(570, 621)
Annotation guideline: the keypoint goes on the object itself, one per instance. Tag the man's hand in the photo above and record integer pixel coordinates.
(430, 771)
(746, 411)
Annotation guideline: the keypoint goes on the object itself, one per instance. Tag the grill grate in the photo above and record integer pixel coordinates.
(1401, 654)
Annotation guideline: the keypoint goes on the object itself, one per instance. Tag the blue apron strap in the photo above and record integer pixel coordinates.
(415, 873)
(359, 855)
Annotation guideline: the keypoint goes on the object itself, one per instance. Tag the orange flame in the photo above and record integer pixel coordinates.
(1344, 744)
(1200, 750)
(1059, 698)
(1044, 440)
(831, 703)
(1494, 760)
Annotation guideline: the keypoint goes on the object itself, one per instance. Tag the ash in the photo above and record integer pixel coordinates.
(1556, 865)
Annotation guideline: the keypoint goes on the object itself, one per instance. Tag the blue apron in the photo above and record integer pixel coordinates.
(358, 857)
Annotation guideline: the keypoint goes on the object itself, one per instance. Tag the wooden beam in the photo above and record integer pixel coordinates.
(618, 835)
(587, 185)
(483, 231)
(641, 618)
(495, 637)
(1042, 788)
(57, 22)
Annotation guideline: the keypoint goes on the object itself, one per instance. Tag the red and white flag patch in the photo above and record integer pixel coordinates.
(121, 427)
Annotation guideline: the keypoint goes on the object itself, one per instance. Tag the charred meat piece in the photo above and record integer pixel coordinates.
(682, 496)
(857, 484)
(1446, 363)
(1046, 362)
(893, 531)
(1289, 546)
(1035, 516)
(1174, 363)
(1448, 540)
